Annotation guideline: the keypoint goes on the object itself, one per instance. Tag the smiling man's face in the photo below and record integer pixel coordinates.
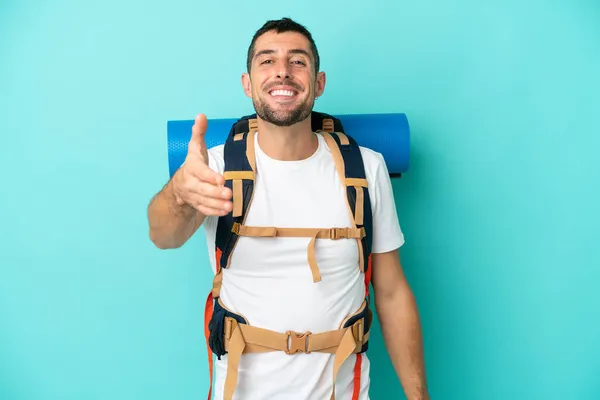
(282, 81)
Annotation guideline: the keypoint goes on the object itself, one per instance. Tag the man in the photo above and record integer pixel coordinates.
(269, 281)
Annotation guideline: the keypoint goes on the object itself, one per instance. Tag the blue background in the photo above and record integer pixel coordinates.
(499, 207)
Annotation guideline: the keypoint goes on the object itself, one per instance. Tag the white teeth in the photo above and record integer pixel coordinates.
(288, 93)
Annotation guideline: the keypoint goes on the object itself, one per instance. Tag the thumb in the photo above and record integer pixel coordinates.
(197, 142)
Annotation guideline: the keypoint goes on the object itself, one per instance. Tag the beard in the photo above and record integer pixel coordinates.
(283, 117)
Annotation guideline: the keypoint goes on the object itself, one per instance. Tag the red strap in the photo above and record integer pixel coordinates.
(208, 312)
(357, 374)
(358, 363)
(368, 274)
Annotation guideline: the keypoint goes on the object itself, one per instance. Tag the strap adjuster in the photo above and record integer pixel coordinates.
(363, 232)
(338, 233)
(359, 331)
(297, 342)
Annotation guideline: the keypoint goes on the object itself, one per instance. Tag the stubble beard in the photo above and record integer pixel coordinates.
(282, 117)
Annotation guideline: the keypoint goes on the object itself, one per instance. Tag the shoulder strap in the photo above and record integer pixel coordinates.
(239, 173)
(351, 170)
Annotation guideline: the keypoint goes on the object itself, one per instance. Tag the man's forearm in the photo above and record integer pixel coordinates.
(401, 330)
(171, 224)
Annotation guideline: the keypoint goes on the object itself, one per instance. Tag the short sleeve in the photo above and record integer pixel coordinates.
(216, 161)
(387, 235)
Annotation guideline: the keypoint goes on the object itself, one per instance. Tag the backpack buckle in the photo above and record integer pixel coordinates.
(338, 233)
(359, 332)
(297, 342)
(363, 232)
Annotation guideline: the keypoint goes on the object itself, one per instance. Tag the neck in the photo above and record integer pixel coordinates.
(287, 143)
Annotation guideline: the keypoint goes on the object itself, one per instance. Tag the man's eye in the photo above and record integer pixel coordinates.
(298, 62)
(266, 62)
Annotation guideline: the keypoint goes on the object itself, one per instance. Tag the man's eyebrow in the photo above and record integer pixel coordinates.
(260, 53)
(299, 51)
(292, 51)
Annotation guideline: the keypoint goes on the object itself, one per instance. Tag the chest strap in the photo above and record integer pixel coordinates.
(313, 233)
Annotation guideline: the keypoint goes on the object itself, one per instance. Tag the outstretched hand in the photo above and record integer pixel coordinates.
(195, 183)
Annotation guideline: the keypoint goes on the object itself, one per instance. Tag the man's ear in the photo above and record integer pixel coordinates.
(320, 84)
(246, 84)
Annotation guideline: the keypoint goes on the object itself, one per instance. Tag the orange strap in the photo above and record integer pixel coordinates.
(260, 340)
(343, 138)
(358, 363)
(238, 176)
(368, 274)
(347, 348)
(208, 313)
(242, 338)
(357, 183)
(357, 376)
(313, 233)
(321, 233)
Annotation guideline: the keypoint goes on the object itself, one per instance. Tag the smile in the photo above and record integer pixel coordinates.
(281, 92)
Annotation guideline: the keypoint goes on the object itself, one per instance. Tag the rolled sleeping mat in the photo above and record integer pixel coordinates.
(388, 134)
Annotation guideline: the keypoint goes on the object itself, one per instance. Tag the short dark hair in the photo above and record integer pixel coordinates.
(281, 26)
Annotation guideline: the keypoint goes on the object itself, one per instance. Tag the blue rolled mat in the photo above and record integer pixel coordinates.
(388, 134)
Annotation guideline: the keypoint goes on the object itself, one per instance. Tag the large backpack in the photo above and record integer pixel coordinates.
(229, 333)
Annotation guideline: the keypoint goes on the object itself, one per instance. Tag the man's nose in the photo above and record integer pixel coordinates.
(284, 71)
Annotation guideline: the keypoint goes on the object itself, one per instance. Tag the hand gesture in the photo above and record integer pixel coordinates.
(195, 183)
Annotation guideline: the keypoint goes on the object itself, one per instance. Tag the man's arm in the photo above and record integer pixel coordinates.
(400, 324)
(171, 224)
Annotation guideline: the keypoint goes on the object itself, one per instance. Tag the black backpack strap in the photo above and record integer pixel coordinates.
(354, 179)
(239, 173)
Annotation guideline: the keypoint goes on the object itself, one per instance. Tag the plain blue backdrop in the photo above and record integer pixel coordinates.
(499, 207)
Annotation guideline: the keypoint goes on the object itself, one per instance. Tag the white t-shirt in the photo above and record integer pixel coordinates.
(269, 280)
